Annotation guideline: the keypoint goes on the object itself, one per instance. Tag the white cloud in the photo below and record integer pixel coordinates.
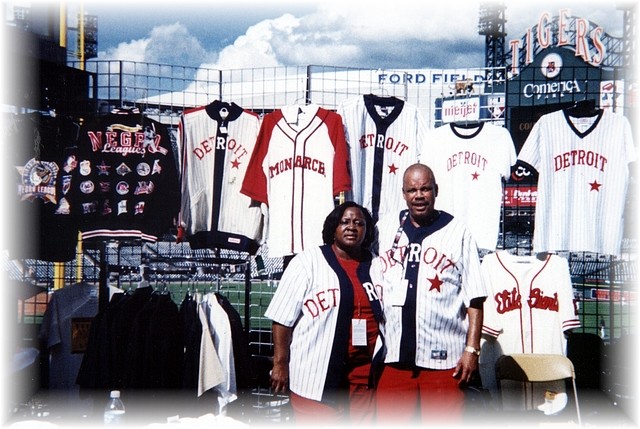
(166, 44)
(126, 51)
(256, 47)
(173, 44)
(391, 34)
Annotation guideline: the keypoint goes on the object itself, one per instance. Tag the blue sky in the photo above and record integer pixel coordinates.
(374, 34)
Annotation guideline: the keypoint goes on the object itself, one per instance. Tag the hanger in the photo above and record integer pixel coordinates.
(583, 108)
(467, 124)
(144, 282)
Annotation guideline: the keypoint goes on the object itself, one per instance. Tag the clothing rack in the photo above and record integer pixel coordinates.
(157, 267)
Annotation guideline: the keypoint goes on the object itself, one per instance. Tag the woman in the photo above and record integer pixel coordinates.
(326, 314)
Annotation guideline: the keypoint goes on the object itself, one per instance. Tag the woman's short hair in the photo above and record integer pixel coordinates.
(333, 220)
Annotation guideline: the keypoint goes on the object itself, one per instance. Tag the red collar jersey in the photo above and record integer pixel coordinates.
(297, 168)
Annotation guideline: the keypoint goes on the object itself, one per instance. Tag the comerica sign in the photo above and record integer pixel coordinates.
(568, 31)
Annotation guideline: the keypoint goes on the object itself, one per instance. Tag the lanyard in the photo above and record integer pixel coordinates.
(396, 240)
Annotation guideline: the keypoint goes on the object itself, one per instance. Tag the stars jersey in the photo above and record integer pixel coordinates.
(125, 184)
(216, 143)
(383, 135)
(470, 164)
(530, 303)
(431, 274)
(583, 176)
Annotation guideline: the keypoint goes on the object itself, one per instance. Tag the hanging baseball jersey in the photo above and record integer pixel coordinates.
(384, 135)
(529, 308)
(431, 274)
(125, 184)
(470, 165)
(530, 303)
(583, 178)
(216, 142)
(297, 168)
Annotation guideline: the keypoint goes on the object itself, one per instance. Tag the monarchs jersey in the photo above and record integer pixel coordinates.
(583, 178)
(125, 181)
(384, 136)
(470, 165)
(216, 144)
(316, 297)
(431, 274)
(530, 303)
(298, 166)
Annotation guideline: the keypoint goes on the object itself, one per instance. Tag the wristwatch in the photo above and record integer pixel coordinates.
(473, 350)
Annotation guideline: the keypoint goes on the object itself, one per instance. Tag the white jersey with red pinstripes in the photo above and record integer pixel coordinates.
(470, 165)
(384, 136)
(583, 180)
(530, 303)
(298, 166)
(216, 142)
(444, 258)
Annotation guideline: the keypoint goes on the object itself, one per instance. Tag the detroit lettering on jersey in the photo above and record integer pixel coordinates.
(124, 139)
(413, 253)
(326, 299)
(512, 300)
(579, 157)
(302, 162)
(207, 145)
(381, 141)
(466, 158)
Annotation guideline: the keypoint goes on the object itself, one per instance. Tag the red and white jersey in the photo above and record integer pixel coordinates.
(530, 303)
(298, 166)
(217, 142)
(583, 179)
(470, 165)
(315, 296)
(436, 271)
(384, 136)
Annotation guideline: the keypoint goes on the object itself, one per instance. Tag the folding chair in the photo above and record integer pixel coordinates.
(527, 370)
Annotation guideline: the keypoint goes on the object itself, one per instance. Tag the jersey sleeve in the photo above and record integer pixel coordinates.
(530, 152)
(473, 284)
(341, 174)
(286, 305)
(491, 322)
(254, 184)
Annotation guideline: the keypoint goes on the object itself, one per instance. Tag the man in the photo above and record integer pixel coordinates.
(433, 294)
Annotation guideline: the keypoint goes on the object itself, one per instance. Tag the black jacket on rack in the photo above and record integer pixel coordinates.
(125, 185)
(40, 220)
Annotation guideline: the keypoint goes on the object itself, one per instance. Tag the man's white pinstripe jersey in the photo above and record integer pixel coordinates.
(298, 166)
(311, 297)
(384, 136)
(530, 303)
(583, 179)
(443, 261)
(217, 141)
(470, 164)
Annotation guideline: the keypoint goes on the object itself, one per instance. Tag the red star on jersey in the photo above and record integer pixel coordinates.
(475, 176)
(435, 283)
(393, 169)
(235, 163)
(595, 186)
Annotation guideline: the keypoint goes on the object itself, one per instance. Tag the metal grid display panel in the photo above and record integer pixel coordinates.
(163, 92)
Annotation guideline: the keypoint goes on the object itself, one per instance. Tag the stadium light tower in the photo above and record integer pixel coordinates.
(491, 24)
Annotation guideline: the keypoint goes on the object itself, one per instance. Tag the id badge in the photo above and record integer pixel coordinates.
(358, 332)
(399, 293)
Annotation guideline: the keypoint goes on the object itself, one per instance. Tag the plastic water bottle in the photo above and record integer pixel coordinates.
(114, 411)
